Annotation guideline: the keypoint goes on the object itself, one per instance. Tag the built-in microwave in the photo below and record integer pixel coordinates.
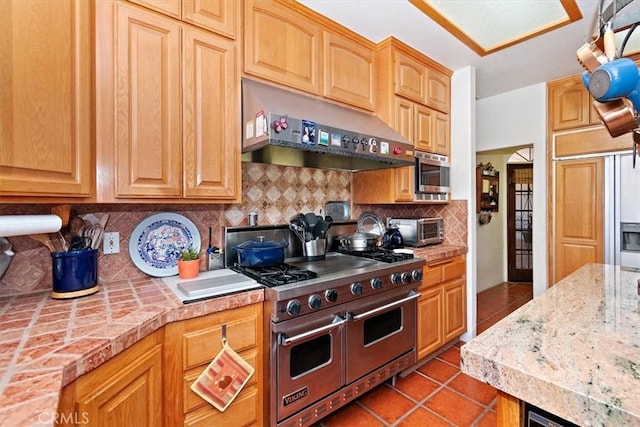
(431, 177)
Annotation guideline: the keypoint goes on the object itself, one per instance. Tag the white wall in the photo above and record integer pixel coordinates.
(491, 242)
(463, 158)
(513, 119)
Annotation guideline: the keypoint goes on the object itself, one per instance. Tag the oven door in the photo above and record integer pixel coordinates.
(379, 330)
(309, 365)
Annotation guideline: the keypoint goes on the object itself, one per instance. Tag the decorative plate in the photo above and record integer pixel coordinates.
(157, 242)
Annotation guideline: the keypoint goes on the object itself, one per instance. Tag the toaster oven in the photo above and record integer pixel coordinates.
(419, 231)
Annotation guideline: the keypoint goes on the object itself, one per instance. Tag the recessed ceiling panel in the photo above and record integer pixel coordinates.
(490, 25)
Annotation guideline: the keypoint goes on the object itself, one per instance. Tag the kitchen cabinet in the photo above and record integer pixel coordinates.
(382, 186)
(46, 101)
(219, 16)
(168, 111)
(418, 81)
(282, 45)
(191, 345)
(487, 191)
(125, 391)
(426, 128)
(442, 305)
(578, 215)
(570, 105)
(413, 96)
(348, 73)
(291, 45)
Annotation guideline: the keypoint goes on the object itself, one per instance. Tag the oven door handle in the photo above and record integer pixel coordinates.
(286, 341)
(412, 295)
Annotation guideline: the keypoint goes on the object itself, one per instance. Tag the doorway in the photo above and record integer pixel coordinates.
(520, 222)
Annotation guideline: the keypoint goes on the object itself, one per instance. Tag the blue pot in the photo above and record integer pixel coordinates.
(260, 252)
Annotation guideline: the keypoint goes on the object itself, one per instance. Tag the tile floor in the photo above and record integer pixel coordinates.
(437, 393)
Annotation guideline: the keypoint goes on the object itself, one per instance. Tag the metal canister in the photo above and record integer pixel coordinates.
(253, 218)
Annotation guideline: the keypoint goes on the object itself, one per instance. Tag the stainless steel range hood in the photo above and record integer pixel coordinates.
(291, 129)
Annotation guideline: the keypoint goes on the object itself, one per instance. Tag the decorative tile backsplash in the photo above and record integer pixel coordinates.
(275, 192)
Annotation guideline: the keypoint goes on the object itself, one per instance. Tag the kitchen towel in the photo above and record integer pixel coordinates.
(21, 225)
(223, 379)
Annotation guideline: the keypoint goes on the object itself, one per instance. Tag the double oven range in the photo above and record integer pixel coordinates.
(337, 326)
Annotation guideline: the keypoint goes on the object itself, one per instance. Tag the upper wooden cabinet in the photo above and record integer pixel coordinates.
(220, 16)
(348, 75)
(282, 45)
(175, 130)
(46, 102)
(291, 45)
(416, 80)
(413, 96)
(570, 105)
(383, 186)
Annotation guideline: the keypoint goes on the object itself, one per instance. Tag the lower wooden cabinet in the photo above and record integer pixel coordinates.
(442, 307)
(190, 345)
(125, 391)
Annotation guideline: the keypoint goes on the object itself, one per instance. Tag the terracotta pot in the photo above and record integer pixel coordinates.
(188, 269)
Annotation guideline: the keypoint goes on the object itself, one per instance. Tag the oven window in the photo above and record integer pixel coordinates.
(382, 325)
(309, 355)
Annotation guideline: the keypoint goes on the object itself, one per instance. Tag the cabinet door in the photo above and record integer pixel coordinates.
(46, 111)
(570, 104)
(430, 336)
(438, 92)
(404, 122)
(282, 45)
(191, 345)
(220, 16)
(403, 178)
(148, 105)
(455, 309)
(125, 391)
(167, 7)
(578, 208)
(411, 77)
(441, 134)
(424, 128)
(210, 116)
(348, 71)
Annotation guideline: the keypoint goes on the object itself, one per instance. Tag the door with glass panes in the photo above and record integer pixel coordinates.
(519, 222)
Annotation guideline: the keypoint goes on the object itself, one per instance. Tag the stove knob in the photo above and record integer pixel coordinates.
(294, 307)
(406, 278)
(315, 302)
(416, 275)
(356, 288)
(331, 295)
(376, 283)
(396, 278)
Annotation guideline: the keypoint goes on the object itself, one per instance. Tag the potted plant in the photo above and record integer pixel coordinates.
(189, 264)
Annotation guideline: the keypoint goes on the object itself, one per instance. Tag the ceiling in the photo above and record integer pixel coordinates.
(547, 57)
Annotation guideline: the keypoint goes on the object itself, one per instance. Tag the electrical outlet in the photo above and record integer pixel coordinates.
(111, 243)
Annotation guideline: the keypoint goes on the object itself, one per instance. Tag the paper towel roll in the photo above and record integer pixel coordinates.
(20, 225)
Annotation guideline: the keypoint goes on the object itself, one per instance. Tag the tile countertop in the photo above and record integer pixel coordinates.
(45, 344)
(573, 351)
(438, 252)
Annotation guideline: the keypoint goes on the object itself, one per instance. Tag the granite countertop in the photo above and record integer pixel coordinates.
(573, 351)
(46, 344)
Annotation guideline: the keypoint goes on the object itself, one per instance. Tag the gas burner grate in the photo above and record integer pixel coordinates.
(378, 254)
(280, 274)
